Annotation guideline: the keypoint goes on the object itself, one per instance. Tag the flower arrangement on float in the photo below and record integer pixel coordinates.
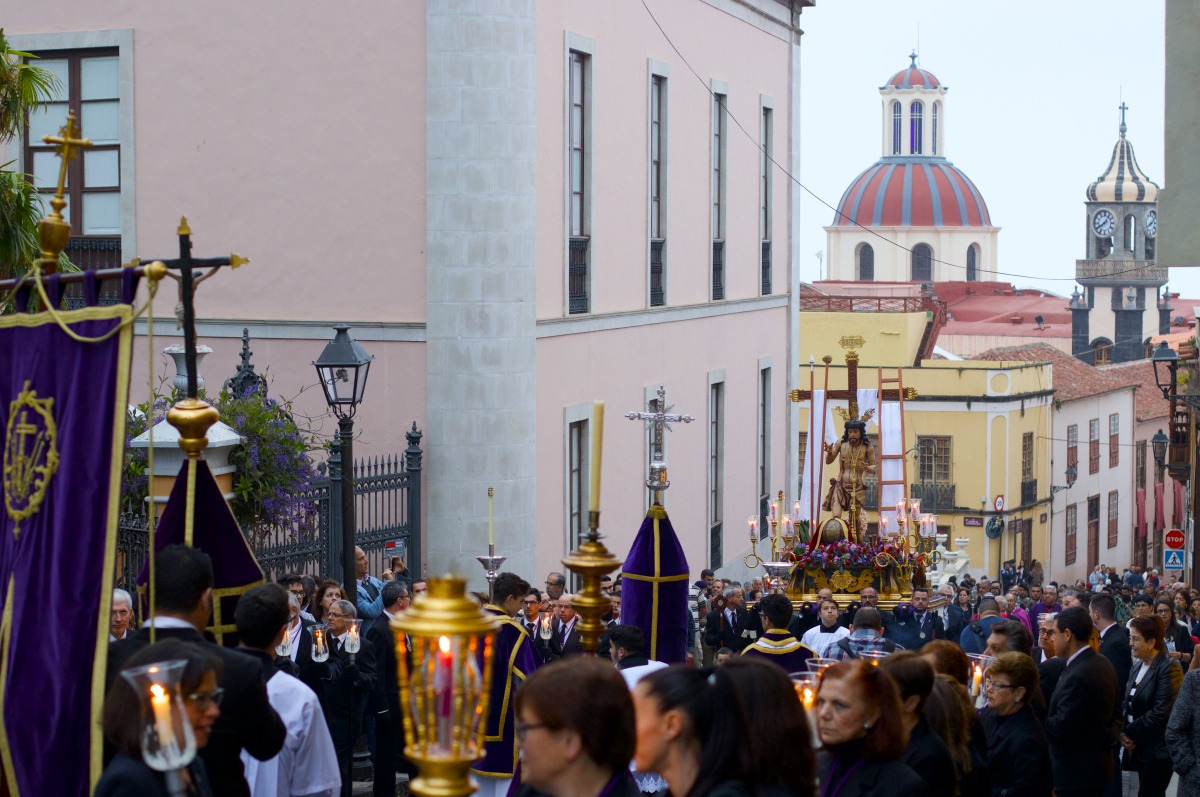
(845, 555)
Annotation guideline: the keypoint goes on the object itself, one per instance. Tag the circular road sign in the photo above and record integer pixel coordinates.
(1174, 539)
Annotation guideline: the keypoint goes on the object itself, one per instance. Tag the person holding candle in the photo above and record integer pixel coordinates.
(127, 774)
(860, 723)
(780, 765)
(514, 659)
(344, 682)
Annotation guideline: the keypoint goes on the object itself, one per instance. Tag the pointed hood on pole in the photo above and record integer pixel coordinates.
(654, 588)
(197, 515)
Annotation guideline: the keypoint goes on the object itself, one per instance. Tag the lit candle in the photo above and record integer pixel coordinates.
(160, 704)
(597, 438)
(491, 518)
(545, 632)
(976, 681)
(353, 644)
(774, 506)
(443, 691)
(916, 507)
(808, 699)
(752, 521)
(796, 511)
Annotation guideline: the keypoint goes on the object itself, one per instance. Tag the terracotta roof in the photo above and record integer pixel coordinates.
(1073, 379)
(1148, 403)
(998, 308)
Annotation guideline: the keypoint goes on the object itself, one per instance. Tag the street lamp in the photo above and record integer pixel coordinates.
(1159, 444)
(1166, 365)
(342, 368)
(1072, 475)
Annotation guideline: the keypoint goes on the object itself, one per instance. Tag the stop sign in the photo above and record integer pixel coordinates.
(1174, 539)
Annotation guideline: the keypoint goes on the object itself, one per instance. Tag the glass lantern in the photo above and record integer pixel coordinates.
(168, 744)
(320, 642)
(444, 692)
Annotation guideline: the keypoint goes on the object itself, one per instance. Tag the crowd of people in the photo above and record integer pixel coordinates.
(1002, 688)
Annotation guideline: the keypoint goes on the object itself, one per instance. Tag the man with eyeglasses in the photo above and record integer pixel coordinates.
(183, 589)
(307, 765)
(1081, 721)
(513, 660)
(345, 682)
(531, 611)
(295, 585)
(555, 584)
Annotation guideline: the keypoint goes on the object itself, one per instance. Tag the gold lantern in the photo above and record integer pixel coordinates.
(444, 688)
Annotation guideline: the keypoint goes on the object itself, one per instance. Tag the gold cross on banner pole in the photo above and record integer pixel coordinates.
(53, 231)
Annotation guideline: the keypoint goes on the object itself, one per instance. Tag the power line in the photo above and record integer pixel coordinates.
(811, 193)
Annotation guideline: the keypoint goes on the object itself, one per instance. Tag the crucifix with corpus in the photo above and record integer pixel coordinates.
(847, 491)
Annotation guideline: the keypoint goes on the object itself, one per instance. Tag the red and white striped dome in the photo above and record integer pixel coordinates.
(912, 192)
(911, 77)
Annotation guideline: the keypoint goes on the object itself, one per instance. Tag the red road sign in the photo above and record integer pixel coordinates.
(1174, 540)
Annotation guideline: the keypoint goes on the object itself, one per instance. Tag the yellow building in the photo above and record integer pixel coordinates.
(977, 434)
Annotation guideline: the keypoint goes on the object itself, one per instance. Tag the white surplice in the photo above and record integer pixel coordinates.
(307, 765)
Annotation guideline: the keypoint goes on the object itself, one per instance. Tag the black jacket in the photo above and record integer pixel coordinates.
(343, 687)
(1081, 723)
(874, 777)
(1150, 706)
(126, 776)
(721, 634)
(1017, 757)
(1114, 646)
(928, 756)
(247, 719)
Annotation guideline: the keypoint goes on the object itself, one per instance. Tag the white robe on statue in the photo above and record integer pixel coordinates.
(307, 765)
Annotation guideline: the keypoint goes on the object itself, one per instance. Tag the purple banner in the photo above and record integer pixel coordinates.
(62, 411)
(654, 588)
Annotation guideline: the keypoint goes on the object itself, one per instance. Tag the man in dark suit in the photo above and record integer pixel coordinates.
(384, 703)
(1114, 646)
(1082, 716)
(183, 592)
(725, 627)
(344, 683)
(913, 629)
(565, 641)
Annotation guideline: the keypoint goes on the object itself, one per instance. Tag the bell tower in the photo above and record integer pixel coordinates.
(1118, 274)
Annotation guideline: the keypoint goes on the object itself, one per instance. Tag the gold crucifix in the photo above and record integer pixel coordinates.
(53, 231)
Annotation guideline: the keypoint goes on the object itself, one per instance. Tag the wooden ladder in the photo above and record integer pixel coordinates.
(884, 383)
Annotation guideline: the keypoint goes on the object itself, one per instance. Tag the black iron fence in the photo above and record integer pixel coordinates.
(387, 493)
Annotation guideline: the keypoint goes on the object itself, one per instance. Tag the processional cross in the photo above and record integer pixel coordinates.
(657, 419)
(851, 343)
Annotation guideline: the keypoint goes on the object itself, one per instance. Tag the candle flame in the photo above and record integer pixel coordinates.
(158, 692)
(444, 644)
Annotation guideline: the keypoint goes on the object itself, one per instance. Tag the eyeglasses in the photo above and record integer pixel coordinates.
(335, 615)
(989, 685)
(204, 699)
(523, 728)
(530, 602)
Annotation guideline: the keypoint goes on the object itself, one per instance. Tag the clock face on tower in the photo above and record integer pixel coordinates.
(1151, 223)
(1104, 223)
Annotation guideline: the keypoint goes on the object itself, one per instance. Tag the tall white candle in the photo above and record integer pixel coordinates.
(597, 442)
(160, 704)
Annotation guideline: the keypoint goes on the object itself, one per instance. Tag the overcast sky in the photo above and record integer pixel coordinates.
(1031, 110)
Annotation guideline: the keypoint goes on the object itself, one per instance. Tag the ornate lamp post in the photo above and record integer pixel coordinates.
(342, 369)
(1159, 444)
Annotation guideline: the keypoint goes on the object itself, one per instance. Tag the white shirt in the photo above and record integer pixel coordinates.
(823, 643)
(307, 764)
(168, 622)
(634, 674)
(294, 636)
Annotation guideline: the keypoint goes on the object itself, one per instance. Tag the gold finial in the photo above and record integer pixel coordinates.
(236, 260)
(193, 417)
(827, 359)
(53, 231)
(184, 229)
(155, 271)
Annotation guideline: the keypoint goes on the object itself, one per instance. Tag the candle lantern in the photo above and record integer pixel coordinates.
(444, 692)
(167, 741)
(320, 642)
(284, 648)
(353, 636)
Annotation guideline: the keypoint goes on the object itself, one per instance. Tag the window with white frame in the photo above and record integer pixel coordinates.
(657, 183)
(718, 191)
(716, 472)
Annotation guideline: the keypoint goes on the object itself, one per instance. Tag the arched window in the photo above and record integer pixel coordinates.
(934, 139)
(866, 263)
(972, 263)
(915, 127)
(1130, 229)
(922, 263)
(897, 110)
(1101, 351)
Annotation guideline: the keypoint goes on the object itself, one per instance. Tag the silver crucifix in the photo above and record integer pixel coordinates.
(658, 418)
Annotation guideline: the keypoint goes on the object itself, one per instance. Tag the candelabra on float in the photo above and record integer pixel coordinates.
(491, 563)
(912, 546)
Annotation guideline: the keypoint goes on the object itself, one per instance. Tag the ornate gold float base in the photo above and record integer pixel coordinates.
(891, 583)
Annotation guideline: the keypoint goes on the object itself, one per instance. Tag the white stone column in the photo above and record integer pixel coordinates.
(480, 139)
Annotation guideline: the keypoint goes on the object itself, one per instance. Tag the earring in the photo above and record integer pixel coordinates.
(867, 725)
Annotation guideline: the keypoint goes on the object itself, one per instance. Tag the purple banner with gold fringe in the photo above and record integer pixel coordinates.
(63, 403)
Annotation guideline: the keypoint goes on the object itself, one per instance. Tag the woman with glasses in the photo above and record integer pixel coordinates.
(1017, 755)
(1177, 638)
(1150, 695)
(128, 775)
(575, 729)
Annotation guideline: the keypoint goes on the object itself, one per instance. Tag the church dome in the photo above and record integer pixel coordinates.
(912, 192)
(913, 76)
(1123, 180)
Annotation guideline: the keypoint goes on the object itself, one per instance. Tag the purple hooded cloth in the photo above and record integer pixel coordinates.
(197, 515)
(654, 589)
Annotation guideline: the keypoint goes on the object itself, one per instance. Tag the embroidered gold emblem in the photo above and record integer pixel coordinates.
(30, 455)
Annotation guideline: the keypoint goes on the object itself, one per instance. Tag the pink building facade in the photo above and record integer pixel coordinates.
(518, 206)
